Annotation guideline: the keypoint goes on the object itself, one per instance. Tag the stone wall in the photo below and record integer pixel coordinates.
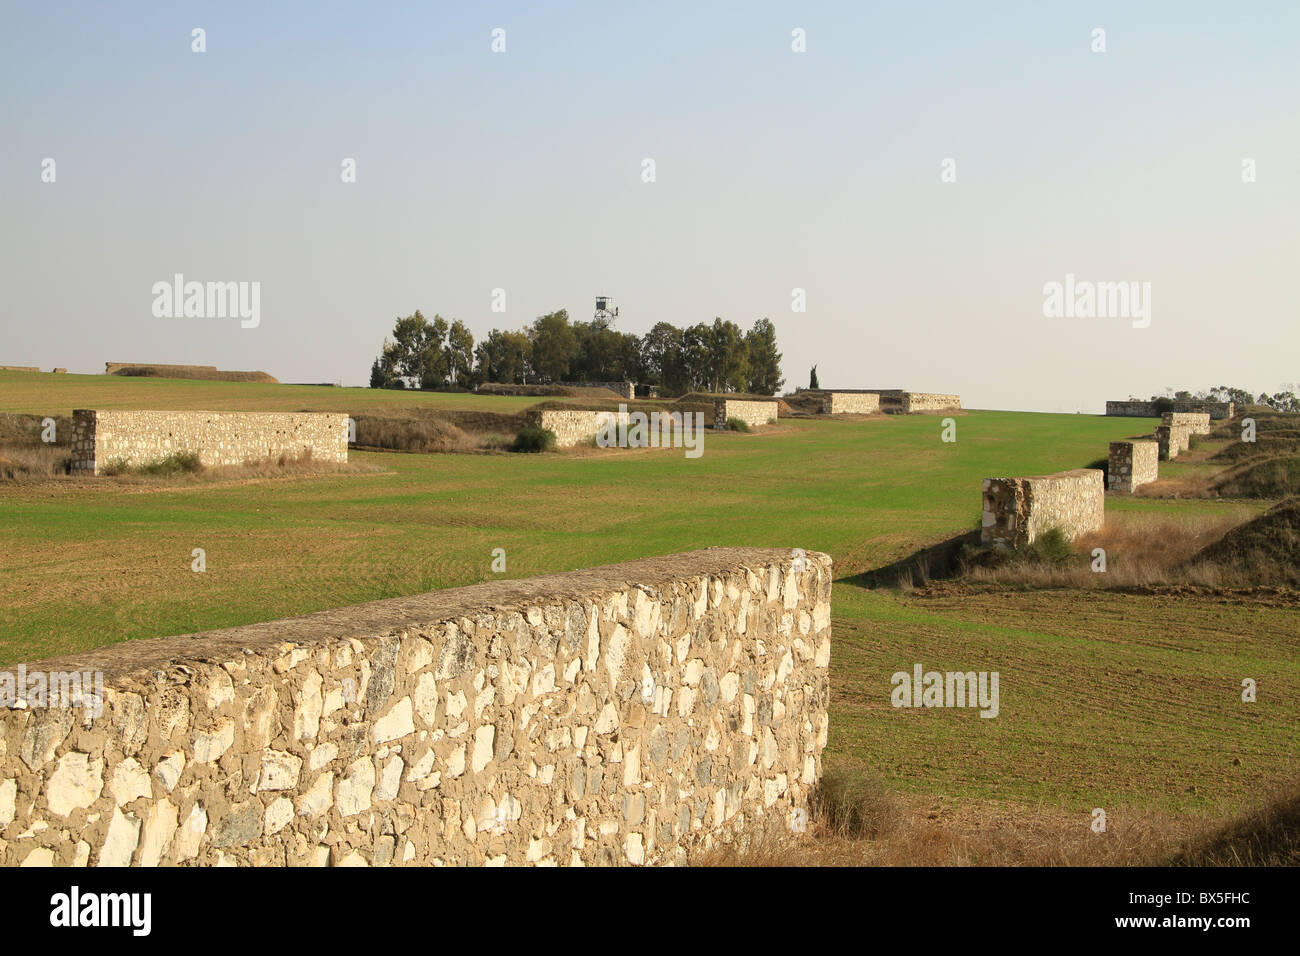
(750, 412)
(573, 426)
(1018, 510)
(1197, 422)
(1132, 409)
(929, 402)
(616, 715)
(1132, 464)
(19, 368)
(220, 438)
(625, 390)
(1173, 439)
(850, 403)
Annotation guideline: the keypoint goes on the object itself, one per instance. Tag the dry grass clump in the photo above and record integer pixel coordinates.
(410, 434)
(22, 462)
(1142, 550)
(854, 820)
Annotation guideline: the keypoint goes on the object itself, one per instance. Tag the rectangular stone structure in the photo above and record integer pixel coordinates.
(752, 413)
(914, 402)
(573, 426)
(1135, 409)
(1018, 510)
(617, 715)
(1173, 439)
(850, 403)
(1132, 464)
(1198, 423)
(134, 438)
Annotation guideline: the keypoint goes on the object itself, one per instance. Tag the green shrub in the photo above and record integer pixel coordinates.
(1163, 405)
(174, 464)
(738, 425)
(532, 438)
(1050, 547)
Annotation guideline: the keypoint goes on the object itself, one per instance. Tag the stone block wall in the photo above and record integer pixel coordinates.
(850, 403)
(929, 402)
(616, 715)
(220, 438)
(573, 426)
(1173, 439)
(1018, 510)
(751, 412)
(1198, 423)
(1132, 409)
(1132, 464)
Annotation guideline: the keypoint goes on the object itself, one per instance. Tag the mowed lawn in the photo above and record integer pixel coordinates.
(1105, 698)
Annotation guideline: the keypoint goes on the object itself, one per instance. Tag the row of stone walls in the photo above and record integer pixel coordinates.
(1133, 463)
(929, 402)
(850, 403)
(1018, 510)
(574, 426)
(622, 714)
(750, 412)
(219, 438)
(1135, 409)
(1173, 439)
(1198, 423)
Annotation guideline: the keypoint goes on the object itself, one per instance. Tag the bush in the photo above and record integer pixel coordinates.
(174, 464)
(1163, 405)
(738, 425)
(532, 438)
(1050, 547)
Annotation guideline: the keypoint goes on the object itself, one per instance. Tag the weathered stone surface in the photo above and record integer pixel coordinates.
(752, 413)
(615, 715)
(1198, 423)
(1133, 463)
(574, 426)
(914, 402)
(1134, 409)
(850, 403)
(1018, 510)
(1173, 439)
(219, 438)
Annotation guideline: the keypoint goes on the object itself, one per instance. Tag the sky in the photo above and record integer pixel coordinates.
(824, 170)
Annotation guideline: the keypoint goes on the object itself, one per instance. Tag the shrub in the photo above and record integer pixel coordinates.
(532, 438)
(173, 464)
(1163, 405)
(1050, 547)
(738, 425)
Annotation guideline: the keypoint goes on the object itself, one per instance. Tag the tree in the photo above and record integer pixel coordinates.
(503, 357)
(812, 379)
(764, 360)
(383, 373)
(728, 357)
(661, 358)
(459, 352)
(554, 346)
(696, 352)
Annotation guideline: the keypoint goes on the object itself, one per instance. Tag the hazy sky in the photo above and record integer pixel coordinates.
(774, 170)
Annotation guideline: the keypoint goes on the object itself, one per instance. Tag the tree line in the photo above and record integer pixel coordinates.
(1286, 401)
(720, 357)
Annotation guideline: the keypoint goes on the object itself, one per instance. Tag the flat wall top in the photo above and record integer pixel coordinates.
(1072, 473)
(403, 613)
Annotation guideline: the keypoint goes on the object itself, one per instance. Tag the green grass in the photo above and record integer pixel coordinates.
(1105, 697)
(44, 394)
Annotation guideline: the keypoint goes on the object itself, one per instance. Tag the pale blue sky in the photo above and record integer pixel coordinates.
(775, 170)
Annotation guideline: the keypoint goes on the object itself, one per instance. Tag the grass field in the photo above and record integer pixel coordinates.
(1108, 699)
